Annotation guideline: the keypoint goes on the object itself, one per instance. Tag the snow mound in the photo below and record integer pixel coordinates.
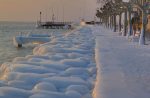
(45, 86)
(64, 82)
(78, 72)
(49, 95)
(61, 68)
(82, 89)
(73, 94)
(9, 92)
(75, 62)
(32, 69)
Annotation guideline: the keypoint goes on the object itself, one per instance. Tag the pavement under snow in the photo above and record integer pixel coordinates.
(123, 66)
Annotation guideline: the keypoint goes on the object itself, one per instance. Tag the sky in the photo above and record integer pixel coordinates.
(28, 10)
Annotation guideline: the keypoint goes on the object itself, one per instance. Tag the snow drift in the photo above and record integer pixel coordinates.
(61, 68)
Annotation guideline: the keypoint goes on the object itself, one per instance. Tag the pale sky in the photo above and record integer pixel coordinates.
(28, 10)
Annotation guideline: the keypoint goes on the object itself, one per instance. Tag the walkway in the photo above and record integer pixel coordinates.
(123, 66)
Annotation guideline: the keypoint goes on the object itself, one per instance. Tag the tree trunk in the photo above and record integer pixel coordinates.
(142, 35)
(125, 24)
(129, 24)
(115, 28)
(120, 22)
(110, 22)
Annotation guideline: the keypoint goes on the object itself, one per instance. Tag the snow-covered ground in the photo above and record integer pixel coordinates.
(62, 68)
(123, 66)
(65, 67)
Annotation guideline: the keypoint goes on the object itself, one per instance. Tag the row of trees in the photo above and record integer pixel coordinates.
(110, 9)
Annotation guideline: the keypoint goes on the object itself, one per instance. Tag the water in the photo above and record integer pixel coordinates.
(7, 31)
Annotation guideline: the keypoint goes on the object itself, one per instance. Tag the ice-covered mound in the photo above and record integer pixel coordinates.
(45, 86)
(78, 72)
(62, 68)
(9, 92)
(79, 88)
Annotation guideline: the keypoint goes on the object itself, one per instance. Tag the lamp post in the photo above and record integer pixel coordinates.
(40, 17)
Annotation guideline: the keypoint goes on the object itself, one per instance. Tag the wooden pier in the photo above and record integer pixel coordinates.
(54, 25)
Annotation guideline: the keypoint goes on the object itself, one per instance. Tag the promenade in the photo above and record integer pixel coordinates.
(123, 66)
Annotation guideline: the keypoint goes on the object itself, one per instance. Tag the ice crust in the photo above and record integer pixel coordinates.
(61, 68)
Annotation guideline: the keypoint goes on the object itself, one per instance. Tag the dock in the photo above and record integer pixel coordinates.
(54, 25)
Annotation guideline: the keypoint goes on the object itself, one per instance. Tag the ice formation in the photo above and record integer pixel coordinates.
(61, 68)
